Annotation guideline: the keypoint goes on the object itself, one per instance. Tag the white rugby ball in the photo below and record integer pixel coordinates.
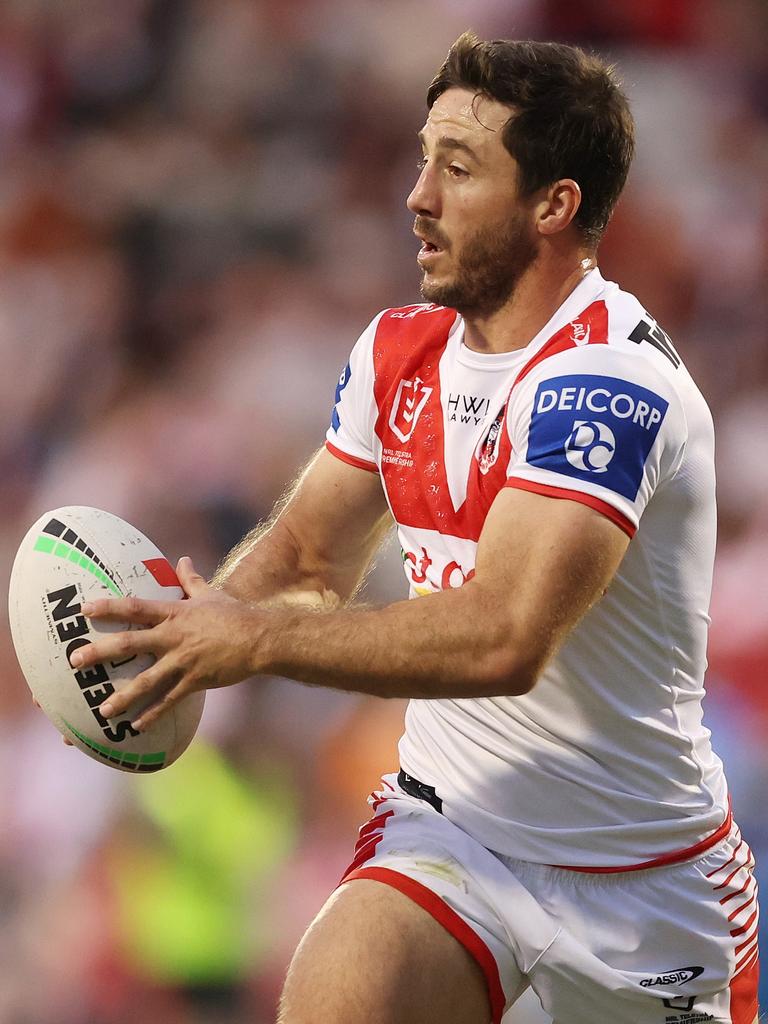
(78, 554)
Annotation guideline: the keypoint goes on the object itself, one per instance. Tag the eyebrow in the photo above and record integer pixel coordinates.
(447, 142)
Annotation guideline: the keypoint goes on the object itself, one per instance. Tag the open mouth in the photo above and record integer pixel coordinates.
(428, 250)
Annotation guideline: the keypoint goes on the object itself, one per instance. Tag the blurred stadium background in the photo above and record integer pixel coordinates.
(201, 205)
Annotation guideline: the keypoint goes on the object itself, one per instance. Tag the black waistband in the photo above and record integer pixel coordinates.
(420, 790)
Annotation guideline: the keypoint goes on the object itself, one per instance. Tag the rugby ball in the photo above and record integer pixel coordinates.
(69, 556)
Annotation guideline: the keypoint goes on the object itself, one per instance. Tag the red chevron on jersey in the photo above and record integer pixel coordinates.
(410, 426)
(406, 358)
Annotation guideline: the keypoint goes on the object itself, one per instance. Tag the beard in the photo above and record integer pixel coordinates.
(489, 268)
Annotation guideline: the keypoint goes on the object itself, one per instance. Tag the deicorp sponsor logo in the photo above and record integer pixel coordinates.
(591, 427)
(618, 400)
(590, 446)
(678, 976)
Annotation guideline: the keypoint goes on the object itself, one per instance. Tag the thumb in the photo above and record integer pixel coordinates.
(192, 583)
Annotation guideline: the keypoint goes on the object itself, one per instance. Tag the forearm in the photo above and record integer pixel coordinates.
(451, 644)
(267, 568)
(318, 544)
(536, 575)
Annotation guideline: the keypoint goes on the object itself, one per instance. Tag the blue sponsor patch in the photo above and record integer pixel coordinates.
(595, 428)
(346, 373)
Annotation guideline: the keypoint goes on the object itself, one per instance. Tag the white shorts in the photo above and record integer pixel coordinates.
(668, 945)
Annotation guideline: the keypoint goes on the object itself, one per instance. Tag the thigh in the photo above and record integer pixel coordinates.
(374, 955)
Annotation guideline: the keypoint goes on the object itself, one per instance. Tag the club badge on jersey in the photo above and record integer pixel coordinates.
(595, 428)
(411, 397)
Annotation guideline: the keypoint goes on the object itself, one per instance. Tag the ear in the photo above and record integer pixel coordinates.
(558, 207)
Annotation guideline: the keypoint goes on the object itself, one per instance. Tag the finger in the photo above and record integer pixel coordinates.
(117, 647)
(193, 584)
(149, 686)
(127, 609)
(150, 715)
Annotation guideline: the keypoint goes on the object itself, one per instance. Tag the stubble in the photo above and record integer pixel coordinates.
(488, 270)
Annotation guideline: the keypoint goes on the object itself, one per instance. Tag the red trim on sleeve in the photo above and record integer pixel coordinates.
(450, 920)
(351, 460)
(585, 499)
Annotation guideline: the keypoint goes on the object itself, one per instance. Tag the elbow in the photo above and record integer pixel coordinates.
(507, 672)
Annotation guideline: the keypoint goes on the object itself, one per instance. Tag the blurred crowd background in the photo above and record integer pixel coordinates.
(201, 206)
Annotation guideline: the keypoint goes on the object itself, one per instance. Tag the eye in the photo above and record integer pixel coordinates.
(421, 164)
(457, 172)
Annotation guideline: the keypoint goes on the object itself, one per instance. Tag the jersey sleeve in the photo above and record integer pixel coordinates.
(598, 426)
(351, 434)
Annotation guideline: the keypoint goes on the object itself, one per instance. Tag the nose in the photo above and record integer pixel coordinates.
(424, 200)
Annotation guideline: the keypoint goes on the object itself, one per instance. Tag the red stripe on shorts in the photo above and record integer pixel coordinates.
(371, 835)
(745, 864)
(738, 892)
(748, 957)
(746, 942)
(745, 926)
(738, 910)
(372, 824)
(730, 860)
(744, 994)
(453, 924)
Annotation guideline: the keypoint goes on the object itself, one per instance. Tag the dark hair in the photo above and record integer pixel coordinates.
(569, 117)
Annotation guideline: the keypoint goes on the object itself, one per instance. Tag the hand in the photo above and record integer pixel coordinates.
(202, 643)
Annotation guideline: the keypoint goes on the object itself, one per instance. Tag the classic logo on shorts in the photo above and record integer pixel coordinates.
(595, 428)
(678, 976)
(410, 399)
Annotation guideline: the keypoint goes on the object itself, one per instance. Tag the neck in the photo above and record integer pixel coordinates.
(541, 290)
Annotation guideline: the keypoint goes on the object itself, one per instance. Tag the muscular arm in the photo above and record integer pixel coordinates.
(318, 544)
(541, 563)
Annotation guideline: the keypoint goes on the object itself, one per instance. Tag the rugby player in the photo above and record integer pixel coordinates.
(559, 819)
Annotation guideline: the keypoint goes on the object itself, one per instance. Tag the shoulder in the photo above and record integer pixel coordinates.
(406, 338)
(417, 321)
(401, 329)
(612, 367)
(616, 339)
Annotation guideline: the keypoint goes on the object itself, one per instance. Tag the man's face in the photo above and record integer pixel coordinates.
(478, 234)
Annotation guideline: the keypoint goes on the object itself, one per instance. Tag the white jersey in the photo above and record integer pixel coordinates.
(606, 762)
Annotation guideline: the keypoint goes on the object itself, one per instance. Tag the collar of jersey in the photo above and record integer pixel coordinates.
(585, 293)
